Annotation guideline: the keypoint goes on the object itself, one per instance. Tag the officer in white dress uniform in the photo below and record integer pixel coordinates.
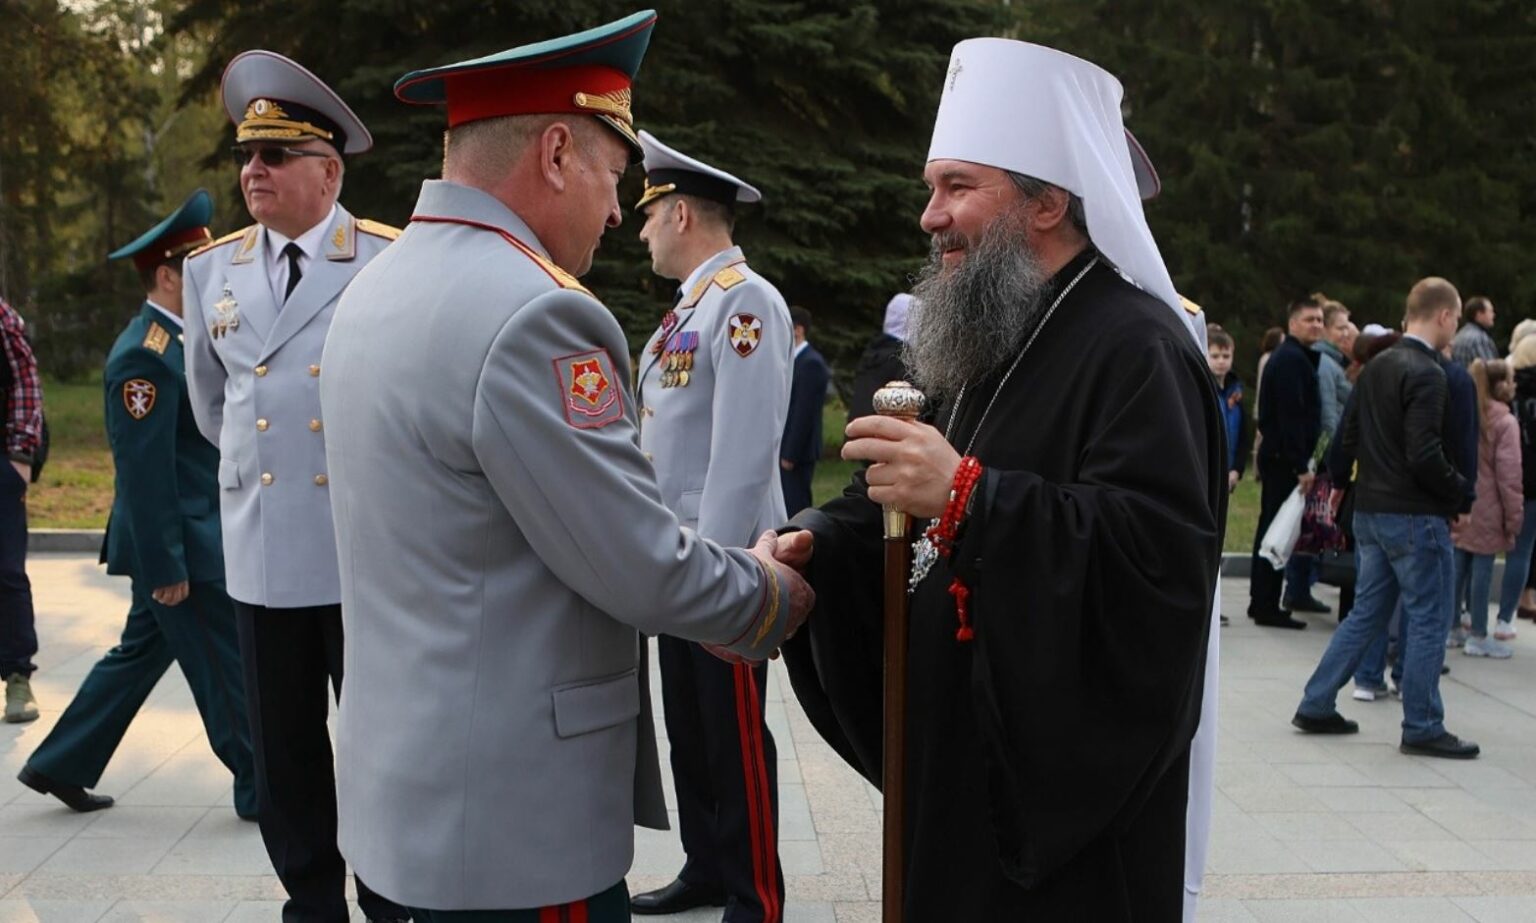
(258, 306)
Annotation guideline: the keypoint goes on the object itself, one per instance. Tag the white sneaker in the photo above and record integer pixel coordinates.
(1488, 647)
(1505, 631)
(1457, 637)
(1368, 694)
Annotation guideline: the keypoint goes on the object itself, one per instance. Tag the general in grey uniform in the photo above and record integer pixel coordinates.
(501, 525)
(258, 306)
(714, 391)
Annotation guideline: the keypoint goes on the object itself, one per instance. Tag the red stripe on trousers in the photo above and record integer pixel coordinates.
(759, 805)
(549, 915)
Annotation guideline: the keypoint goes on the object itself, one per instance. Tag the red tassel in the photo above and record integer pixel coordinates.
(962, 595)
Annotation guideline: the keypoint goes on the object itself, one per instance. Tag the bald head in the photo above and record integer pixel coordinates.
(1433, 308)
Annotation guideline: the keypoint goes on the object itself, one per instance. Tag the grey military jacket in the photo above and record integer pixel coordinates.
(253, 375)
(501, 540)
(713, 392)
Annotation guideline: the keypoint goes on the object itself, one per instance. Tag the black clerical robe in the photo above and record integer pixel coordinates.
(1048, 758)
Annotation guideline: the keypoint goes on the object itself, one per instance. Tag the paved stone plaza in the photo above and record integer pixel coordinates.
(1305, 829)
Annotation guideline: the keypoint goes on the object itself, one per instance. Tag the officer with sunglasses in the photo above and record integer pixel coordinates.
(258, 308)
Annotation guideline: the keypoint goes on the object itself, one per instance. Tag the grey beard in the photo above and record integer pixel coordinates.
(967, 322)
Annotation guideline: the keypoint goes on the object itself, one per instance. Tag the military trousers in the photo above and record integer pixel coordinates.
(610, 906)
(292, 661)
(199, 636)
(725, 769)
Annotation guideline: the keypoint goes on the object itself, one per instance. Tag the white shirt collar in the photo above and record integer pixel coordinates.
(799, 348)
(309, 242)
(168, 315)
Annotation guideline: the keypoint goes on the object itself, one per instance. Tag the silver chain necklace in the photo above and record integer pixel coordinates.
(924, 554)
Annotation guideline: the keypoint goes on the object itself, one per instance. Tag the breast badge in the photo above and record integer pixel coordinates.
(590, 397)
(227, 311)
(745, 333)
(138, 397)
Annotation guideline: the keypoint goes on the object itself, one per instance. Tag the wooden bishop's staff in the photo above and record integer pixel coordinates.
(897, 399)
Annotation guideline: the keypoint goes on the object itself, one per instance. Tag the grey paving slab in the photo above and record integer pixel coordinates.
(1303, 829)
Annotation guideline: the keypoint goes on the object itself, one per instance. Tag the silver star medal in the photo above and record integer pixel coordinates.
(229, 314)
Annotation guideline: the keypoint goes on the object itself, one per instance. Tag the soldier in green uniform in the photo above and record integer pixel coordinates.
(164, 535)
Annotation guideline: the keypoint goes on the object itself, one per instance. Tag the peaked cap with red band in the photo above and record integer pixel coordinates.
(588, 73)
(183, 231)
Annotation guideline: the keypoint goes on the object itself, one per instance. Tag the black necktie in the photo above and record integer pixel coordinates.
(677, 299)
(292, 251)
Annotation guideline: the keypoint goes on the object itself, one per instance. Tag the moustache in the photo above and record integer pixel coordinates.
(949, 240)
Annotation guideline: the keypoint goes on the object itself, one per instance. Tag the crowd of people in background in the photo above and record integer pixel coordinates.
(1417, 445)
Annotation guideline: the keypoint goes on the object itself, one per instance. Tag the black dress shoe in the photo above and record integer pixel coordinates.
(1306, 604)
(675, 898)
(1279, 621)
(1446, 746)
(74, 796)
(1333, 724)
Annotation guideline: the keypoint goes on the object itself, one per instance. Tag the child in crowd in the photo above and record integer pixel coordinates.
(1219, 355)
(1498, 511)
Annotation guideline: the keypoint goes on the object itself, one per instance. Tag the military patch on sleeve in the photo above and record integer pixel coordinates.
(588, 389)
(157, 339)
(138, 397)
(745, 332)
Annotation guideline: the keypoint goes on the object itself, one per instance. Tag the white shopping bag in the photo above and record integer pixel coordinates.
(1281, 538)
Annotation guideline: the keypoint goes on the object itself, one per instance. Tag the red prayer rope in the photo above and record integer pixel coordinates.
(943, 533)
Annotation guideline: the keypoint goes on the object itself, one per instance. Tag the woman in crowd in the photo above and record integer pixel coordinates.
(1499, 511)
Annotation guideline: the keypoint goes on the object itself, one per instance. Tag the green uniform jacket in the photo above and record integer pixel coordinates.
(165, 512)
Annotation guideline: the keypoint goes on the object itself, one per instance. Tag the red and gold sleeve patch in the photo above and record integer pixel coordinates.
(745, 332)
(589, 389)
(138, 397)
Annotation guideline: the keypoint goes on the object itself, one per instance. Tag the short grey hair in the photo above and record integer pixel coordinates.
(485, 148)
(1032, 188)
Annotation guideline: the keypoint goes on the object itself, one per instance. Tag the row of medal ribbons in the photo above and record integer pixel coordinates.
(677, 358)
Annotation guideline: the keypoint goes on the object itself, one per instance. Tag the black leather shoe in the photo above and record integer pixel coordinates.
(675, 898)
(1306, 604)
(74, 796)
(1446, 746)
(1279, 621)
(1333, 724)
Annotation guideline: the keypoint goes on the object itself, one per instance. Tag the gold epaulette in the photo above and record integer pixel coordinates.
(561, 277)
(377, 228)
(728, 277)
(157, 339)
(227, 238)
(1189, 306)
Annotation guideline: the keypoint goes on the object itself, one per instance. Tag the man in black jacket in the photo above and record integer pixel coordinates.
(1290, 420)
(1406, 491)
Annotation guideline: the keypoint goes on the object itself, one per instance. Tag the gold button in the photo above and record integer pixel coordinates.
(266, 480)
(321, 480)
(261, 425)
(314, 426)
(314, 371)
(649, 457)
(647, 412)
(261, 371)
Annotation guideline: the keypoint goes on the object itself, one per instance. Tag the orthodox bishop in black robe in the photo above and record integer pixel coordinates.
(1047, 769)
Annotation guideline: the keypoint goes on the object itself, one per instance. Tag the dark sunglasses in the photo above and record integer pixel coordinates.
(271, 156)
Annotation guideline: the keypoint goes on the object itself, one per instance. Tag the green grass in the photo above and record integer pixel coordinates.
(832, 474)
(76, 489)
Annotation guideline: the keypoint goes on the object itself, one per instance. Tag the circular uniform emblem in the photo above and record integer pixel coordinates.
(261, 107)
(138, 397)
(745, 333)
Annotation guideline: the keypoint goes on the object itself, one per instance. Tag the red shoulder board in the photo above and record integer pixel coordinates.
(588, 389)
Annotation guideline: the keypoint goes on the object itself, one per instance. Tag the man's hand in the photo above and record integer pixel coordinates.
(23, 469)
(914, 465)
(795, 549)
(786, 464)
(1231, 481)
(1304, 482)
(796, 598)
(173, 595)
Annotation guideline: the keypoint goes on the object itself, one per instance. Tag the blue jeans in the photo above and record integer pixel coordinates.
(1517, 565)
(1400, 556)
(1474, 583)
(1301, 573)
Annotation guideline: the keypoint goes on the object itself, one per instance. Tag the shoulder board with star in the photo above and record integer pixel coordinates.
(231, 237)
(561, 277)
(1189, 306)
(377, 228)
(726, 277)
(157, 339)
